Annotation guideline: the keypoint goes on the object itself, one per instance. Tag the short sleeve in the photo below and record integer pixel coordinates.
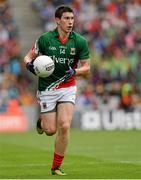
(35, 48)
(83, 49)
(40, 45)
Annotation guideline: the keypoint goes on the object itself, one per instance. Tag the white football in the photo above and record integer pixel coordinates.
(43, 66)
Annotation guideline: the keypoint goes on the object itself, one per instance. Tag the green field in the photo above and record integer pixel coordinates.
(90, 155)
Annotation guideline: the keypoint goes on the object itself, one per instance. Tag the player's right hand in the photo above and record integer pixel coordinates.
(30, 67)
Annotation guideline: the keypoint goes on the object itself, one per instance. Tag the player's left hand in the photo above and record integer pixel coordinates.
(71, 72)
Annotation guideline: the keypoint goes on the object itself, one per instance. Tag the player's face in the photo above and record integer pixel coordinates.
(66, 22)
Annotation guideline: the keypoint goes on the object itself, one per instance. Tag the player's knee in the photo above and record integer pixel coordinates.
(64, 127)
(50, 132)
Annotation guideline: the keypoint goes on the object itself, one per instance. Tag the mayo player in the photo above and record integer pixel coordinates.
(57, 93)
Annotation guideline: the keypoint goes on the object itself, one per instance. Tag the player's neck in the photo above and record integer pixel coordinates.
(62, 34)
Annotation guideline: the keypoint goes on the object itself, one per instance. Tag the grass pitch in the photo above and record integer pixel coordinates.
(90, 155)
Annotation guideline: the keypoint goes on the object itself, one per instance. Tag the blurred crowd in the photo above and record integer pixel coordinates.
(113, 30)
(14, 84)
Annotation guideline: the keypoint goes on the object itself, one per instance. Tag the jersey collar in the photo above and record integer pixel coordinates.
(56, 34)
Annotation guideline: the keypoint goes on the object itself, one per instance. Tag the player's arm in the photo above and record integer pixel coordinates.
(83, 56)
(84, 69)
(29, 58)
(83, 52)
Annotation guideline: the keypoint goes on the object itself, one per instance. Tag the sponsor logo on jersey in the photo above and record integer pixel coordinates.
(61, 60)
(72, 52)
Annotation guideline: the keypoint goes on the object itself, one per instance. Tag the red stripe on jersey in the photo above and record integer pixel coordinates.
(70, 82)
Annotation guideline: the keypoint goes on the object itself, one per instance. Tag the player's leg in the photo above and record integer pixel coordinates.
(39, 127)
(64, 117)
(65, 110)
(47, 120)
(48, 123)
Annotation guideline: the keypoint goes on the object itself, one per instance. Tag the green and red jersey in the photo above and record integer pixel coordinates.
(65, 54)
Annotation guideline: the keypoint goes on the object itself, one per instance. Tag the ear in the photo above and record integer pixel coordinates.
(57, 21)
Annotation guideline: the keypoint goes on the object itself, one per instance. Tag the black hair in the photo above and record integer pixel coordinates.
(62, 9)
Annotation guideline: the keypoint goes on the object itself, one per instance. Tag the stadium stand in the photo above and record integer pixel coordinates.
(12, 75)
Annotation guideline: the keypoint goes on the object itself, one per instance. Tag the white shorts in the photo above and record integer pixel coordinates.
(49, 100)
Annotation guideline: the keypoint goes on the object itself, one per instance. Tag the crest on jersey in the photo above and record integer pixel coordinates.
(72, 52)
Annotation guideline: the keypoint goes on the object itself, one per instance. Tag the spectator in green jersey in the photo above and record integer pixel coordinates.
(57, 93)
